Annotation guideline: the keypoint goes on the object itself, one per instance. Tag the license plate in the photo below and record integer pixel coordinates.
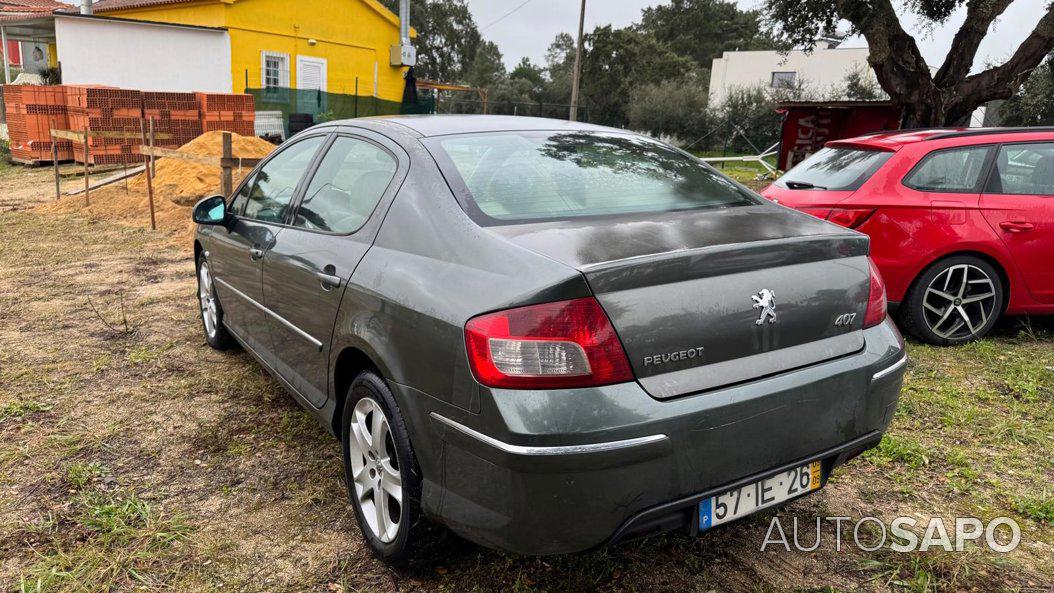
(742, 501)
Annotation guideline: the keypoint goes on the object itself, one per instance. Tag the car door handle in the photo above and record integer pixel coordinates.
(1016, 226)
(256, 254)
(329, 281)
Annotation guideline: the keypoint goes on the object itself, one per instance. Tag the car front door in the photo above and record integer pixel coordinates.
(260, 208)
(309, 265)
(1019, 204)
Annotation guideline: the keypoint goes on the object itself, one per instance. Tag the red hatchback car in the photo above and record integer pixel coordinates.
(961, 220)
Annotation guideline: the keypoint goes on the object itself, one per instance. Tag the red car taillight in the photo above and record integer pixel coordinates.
(876, 299)
(850, 218)
(552, 345)
(820, 213)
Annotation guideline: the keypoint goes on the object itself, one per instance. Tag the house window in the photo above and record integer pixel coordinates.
(784, 80)
(274, 70)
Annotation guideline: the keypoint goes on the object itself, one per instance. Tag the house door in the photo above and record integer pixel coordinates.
(311, 76)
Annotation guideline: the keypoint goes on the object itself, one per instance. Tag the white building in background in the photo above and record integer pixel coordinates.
(819, 70)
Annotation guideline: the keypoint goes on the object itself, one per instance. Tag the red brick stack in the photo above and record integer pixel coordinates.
(32, 112)
(106, 109)
(173, 113)
(230, 113)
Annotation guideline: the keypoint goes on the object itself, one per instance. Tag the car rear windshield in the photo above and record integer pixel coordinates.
(509, 177)
(844, 169)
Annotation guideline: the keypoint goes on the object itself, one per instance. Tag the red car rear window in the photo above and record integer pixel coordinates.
(844, 169)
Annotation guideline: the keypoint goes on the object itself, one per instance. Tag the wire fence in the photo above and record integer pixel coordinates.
(531, 109)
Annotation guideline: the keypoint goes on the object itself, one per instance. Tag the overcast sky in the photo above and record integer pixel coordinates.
(530, 29)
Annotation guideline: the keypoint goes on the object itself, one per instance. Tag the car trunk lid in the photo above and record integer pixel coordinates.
(817, 202)
(706, 299)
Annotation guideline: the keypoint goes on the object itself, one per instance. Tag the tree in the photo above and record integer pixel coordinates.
(487, 69)
(529, 80)
(1034, 104)
(704, 29)
(671, 108)
(615, 61)
(749, 119)
(559, 61)
(861, 87)
(952, 93)
(447, 38)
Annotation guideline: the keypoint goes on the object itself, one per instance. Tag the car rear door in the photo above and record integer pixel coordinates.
(260, 208)
(307, 269)
(1019, 204)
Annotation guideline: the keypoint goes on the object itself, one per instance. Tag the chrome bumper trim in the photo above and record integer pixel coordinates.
(543, 451)
(891, 368)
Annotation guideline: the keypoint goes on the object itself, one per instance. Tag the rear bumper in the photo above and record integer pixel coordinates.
(548, 472)
(682, 514)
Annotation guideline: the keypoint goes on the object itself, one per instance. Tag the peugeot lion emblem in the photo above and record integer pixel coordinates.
(765, 300)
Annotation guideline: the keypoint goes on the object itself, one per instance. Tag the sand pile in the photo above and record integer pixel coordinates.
(178, 185)
(186, 182)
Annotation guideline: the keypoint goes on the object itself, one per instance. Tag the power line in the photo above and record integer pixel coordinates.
(502, 17)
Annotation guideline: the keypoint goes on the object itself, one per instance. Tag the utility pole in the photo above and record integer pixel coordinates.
(577, 74)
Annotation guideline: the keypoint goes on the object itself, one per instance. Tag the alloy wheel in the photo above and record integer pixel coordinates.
(959, 302)
(375, 470)
(209, 307)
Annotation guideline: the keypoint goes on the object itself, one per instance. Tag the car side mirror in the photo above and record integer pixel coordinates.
(211, 210)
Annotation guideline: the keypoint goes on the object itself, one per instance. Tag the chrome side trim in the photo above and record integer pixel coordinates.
(296, 330)
(891, 368)
(542, 451)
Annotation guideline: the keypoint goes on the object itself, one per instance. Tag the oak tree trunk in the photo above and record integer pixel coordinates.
(949, 96)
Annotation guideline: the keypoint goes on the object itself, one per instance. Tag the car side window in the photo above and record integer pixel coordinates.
(272, 189)
(238, 203)
(347, 186)
(1026, 169)
(952, 170)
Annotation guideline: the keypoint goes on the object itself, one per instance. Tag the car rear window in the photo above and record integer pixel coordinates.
(509, 177)
(843, 169)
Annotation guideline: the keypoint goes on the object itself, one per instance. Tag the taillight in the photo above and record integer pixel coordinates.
(552, 345)
(876, 298)
(850, 218)
(820, 213)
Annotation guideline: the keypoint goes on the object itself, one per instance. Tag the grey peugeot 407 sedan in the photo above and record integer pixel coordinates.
(548, 336)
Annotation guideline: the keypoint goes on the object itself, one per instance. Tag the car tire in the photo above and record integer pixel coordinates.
(216, 334)
(969, 286)
(396, 539)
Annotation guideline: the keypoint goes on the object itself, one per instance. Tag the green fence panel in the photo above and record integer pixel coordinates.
(332, 106)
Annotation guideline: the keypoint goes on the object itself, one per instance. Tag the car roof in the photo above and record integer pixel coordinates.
(441, 125)
(896, 139)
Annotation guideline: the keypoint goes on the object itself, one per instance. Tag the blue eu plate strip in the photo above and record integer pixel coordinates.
(705, 514)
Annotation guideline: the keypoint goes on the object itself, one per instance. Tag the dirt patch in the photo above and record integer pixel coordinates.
(29, 186)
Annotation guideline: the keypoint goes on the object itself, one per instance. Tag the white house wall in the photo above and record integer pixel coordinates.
(822, 69)
(143, 56)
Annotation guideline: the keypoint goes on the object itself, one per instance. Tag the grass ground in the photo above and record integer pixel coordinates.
(133, 457)
(752, 174)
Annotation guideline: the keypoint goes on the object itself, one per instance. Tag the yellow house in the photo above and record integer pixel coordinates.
(337, 46)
